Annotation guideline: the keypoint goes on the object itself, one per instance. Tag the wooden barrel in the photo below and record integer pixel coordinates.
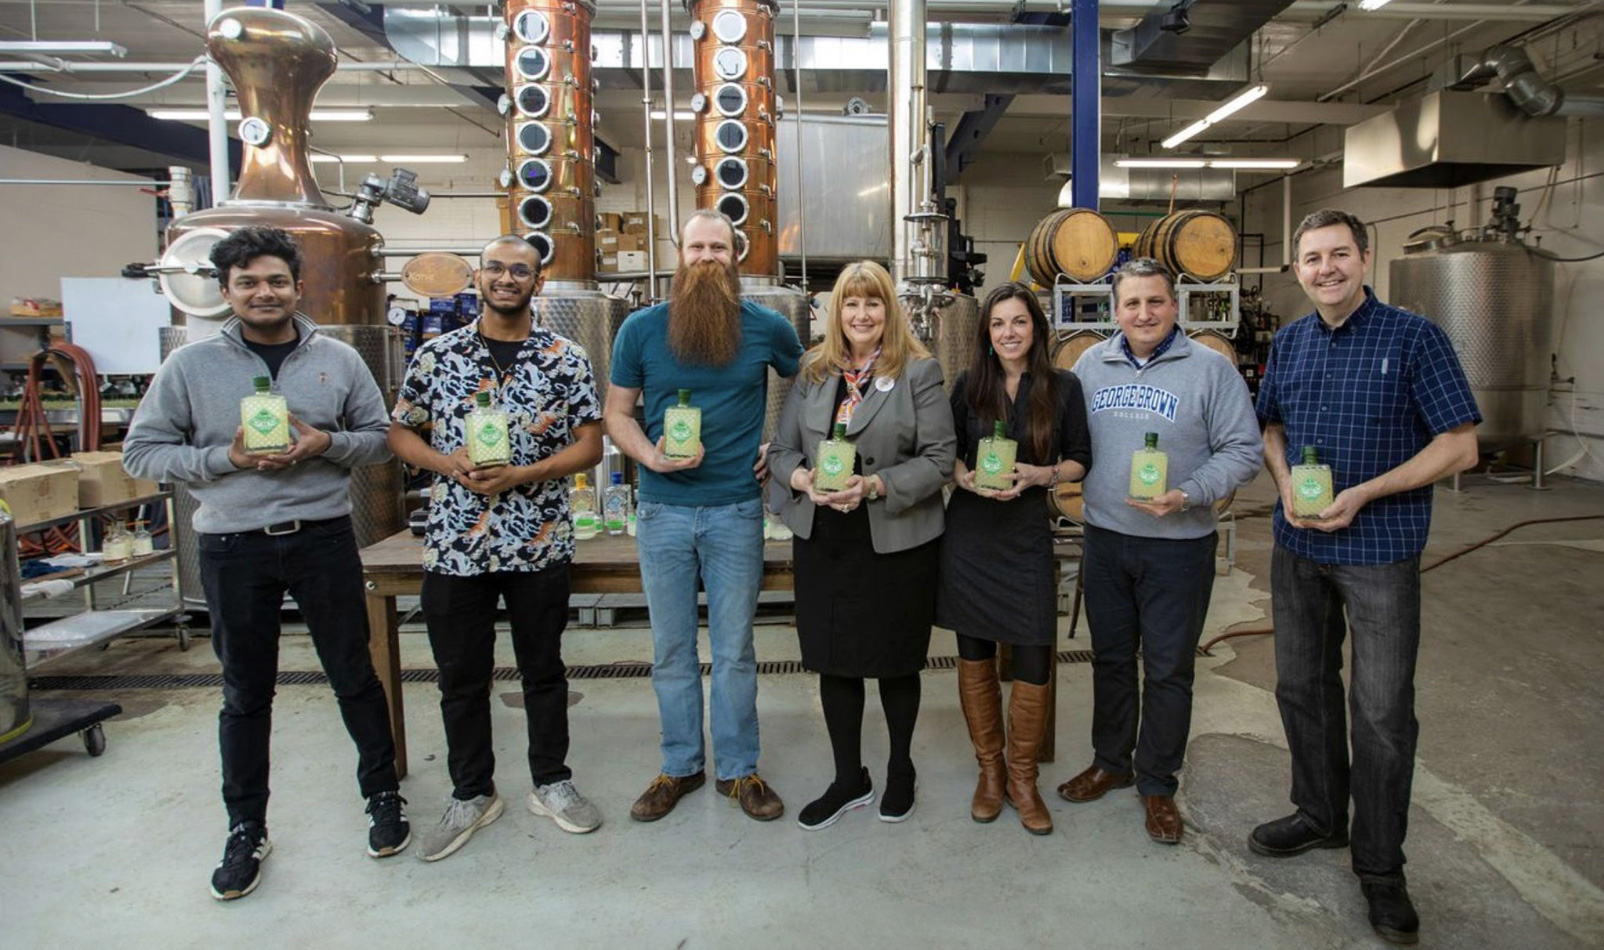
(1069, 348)
(1076, 242)
(1065, 501)
(1216, 341)
(1199, 244)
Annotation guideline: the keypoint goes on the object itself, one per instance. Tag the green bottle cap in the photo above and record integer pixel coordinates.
(1151, 439)
(1310, 456)
(685, 397)
(483, 399)
(262, 383)
(999, 430)
(840, 431)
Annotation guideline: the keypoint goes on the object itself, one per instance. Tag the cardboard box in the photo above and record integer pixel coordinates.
(35, 307)
(102, 480)
(39, 491)
(631, 261)
(609, 221)
(631, 242)
(608, 262)
(635, 223)
(607, 240)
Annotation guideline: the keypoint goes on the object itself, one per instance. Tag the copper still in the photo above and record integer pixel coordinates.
(551, 168)
(737, 111)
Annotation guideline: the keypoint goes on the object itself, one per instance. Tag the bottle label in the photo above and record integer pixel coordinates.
(489, 435)
(680, 430)
(1310, 488)
(832, 465)
(1148, 474)
(264, 421)
(991, 464)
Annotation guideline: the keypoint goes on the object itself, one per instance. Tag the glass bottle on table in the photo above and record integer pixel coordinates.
(1149, 470)
(833, 464)
(143, 545)
(994, 459)
(615, 506)
(582, 508)
(682, 428)
(118, 545)
(265, 417)
(1311, 486)
(487, 431)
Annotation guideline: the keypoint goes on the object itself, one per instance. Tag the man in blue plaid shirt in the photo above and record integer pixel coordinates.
(1380, 395)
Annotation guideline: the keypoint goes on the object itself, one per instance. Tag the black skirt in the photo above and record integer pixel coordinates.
(859, 613)
(997, 570)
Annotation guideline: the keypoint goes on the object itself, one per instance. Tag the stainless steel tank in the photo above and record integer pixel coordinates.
(792, 304)
(1494, 299)
(15, 717)
(577, 311)
(376, 505)
(953, 342)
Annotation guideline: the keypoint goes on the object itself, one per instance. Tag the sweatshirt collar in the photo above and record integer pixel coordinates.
(304, 327)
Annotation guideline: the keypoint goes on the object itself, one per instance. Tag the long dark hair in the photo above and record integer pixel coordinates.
(986, 390)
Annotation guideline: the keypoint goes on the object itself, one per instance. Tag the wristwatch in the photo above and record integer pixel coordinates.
(873, 494)
(1186, 500)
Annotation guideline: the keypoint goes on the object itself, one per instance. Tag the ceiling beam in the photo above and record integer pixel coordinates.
(120, 124)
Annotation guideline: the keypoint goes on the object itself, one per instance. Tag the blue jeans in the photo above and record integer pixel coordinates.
(1315, 605)
(1152, 594)
(723, 546)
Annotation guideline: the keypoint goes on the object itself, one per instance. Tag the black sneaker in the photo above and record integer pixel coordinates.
(1292, 835)
(388, 830)
(1392, 914)
(241, 868)
(836, 801)
(896, 802)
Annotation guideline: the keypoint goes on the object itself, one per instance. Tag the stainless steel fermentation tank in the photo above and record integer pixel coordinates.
(1494, 298)
(277, 62)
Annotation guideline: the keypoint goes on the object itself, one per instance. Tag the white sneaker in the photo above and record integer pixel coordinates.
(562, 803)
(457, 825)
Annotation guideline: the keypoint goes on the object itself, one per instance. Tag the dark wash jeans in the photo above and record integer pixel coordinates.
(460, 613)
(1315, 605)
(246, 576)
(1153, 593)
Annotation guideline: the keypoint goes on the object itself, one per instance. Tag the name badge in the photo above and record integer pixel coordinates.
(884, 383)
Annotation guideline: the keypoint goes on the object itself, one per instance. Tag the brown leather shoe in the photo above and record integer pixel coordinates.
(663, 794)
(981, 699)
(1163, 820)
(1093, 784)
(754, 795)
(1027, 723)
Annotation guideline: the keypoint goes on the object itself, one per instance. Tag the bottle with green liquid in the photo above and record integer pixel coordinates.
(265, 417)
(682, 428)
(994, 459)
(1311, 486)
(488, 444)
(582, 507)
(833, 465)
(1149, 470)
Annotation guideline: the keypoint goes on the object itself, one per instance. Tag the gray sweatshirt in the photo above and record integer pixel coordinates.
(1197, 403)
(183, 427)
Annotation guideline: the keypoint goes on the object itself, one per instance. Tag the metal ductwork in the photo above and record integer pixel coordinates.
(1524, 85)
(1147, 184)
(1449, 139)
(1191, 35)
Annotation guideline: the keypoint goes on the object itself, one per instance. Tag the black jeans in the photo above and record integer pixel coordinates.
(246, 577)
(1152, 593)
(460, 613)
(1314, 606)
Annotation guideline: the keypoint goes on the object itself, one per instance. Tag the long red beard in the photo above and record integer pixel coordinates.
(704, 314)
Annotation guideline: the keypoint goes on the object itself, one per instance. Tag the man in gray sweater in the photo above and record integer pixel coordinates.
(269, 525)
(1149, 564)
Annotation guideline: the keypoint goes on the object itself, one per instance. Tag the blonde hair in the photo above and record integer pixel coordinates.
(898, 345)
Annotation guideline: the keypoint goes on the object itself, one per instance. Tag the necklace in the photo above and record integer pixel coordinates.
(501, 372)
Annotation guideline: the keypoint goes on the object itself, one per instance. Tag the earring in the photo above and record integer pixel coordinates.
(991, 350)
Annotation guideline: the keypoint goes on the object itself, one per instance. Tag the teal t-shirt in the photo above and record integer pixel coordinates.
(732, 398)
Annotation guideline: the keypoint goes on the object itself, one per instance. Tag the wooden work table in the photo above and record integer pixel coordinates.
(603, 565)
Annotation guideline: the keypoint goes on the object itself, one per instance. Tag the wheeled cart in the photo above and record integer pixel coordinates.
(58, 718)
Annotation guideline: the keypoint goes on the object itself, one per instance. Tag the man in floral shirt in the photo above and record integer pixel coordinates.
(500, 532)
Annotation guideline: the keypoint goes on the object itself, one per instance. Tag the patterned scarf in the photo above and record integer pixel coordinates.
(857, 382)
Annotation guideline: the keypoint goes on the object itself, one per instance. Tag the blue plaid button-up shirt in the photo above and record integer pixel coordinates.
(1368, 396)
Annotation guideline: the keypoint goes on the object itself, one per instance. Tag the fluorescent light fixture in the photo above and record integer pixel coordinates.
(55, 48)
(1249, 163)
(424, 159)
(680, 115)
(1235, 104)
(234, 115)
(1237, 163)
(1159, 163)
(1373, 4)
(321, 159)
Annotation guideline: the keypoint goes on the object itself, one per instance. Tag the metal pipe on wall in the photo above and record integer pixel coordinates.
(216, 122)
(668, 126)
(646, 121)
(801, 202)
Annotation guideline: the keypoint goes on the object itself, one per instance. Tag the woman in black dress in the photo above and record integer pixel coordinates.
(865, 556)
(997, 559)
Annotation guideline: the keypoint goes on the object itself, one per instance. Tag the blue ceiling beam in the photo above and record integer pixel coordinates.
(1086, 104)
(120, 125)
(970, 133)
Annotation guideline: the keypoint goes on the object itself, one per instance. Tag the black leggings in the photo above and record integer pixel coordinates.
(842, 698)
(1031, 664)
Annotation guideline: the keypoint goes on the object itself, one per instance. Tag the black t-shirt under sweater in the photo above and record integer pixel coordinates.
(274, 353)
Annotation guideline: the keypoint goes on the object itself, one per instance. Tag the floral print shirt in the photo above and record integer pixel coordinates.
(548, 392)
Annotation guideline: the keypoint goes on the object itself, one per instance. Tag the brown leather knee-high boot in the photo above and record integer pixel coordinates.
(1027, 722)
(981, 699)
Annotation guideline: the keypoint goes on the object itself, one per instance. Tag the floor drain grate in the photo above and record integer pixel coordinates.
(629, 669)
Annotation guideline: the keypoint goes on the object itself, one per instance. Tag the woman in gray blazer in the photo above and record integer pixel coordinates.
(866, 556)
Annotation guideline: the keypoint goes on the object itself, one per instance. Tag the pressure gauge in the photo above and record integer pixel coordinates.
(255, 131)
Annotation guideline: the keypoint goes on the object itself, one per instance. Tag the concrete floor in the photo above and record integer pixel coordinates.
(1505, 842)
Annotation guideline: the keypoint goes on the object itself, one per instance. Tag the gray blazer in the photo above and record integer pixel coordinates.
(903, 434)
